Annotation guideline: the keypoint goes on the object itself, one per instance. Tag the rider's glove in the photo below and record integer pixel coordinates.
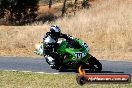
(70, 37)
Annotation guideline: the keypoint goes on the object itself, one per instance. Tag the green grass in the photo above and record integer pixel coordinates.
(9, 79)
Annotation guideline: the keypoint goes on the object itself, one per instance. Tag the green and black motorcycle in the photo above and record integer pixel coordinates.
(75, 53)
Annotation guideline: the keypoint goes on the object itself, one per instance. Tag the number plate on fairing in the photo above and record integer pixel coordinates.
(79, 55)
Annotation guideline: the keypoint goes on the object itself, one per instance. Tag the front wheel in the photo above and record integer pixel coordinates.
(95, 65)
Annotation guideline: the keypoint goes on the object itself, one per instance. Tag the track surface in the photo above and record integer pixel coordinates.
(39, 65)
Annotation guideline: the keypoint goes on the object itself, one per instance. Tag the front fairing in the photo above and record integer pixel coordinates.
(76, 55)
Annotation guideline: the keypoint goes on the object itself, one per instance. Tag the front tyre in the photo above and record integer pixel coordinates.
(95, 65)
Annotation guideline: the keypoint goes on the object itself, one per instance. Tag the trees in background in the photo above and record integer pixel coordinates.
(85, 4)
(64, 8)
(50, 3)
(19, 12)
(75, 6)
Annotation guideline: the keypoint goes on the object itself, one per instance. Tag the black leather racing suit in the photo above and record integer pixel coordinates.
(51, 46)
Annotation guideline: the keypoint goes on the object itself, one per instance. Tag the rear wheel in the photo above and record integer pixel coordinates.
(94, 64)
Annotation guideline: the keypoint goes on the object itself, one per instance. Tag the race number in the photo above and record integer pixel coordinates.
(79, 55)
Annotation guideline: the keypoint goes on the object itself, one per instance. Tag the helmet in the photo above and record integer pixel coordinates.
(54, 29)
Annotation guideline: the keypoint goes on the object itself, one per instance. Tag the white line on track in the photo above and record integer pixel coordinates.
(30, 72)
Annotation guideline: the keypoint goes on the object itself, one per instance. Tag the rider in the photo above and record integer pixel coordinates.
(50, 40)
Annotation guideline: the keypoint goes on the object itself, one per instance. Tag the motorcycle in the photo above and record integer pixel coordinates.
(74, 53)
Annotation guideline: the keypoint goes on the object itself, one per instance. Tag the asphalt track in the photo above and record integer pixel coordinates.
(39, 65)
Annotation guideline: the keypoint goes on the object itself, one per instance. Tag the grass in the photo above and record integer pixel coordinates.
(9, 79)
(106, 27)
